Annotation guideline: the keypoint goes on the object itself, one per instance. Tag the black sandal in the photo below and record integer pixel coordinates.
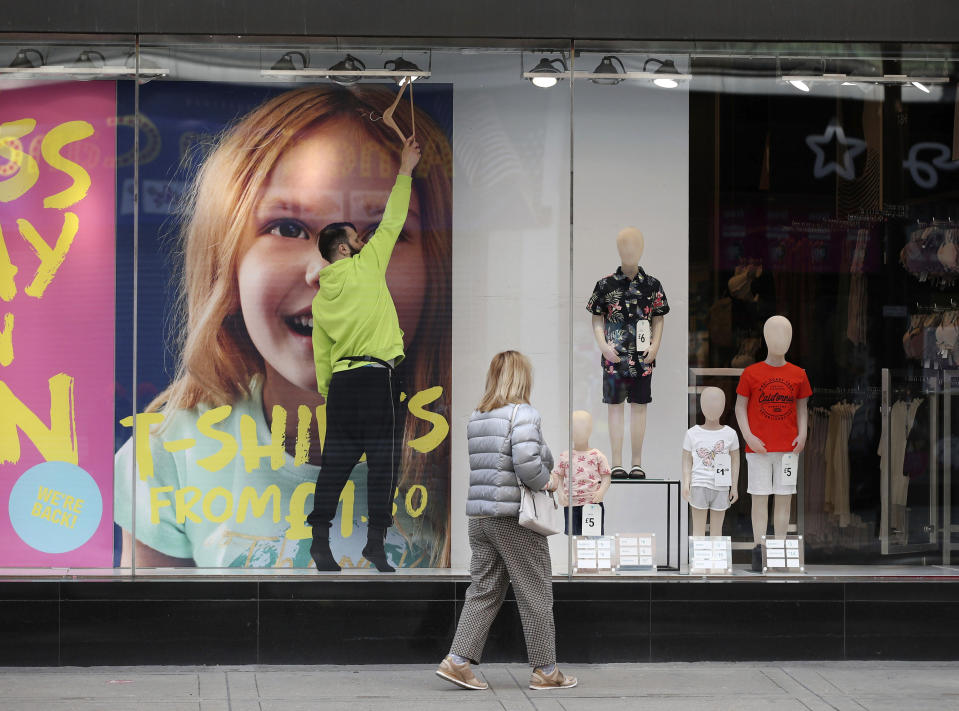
(637, 473)
(618, 473)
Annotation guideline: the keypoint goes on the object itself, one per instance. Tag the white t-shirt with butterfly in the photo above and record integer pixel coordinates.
(704, 445)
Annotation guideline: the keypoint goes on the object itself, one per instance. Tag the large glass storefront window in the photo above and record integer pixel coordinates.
(630, 216)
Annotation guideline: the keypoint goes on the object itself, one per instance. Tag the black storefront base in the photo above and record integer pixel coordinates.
(86, 623)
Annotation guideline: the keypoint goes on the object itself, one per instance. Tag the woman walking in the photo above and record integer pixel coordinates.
(505, 443)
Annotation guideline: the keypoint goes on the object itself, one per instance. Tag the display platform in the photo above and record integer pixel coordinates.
(87, 617)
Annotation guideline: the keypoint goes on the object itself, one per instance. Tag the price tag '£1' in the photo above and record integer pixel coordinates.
(723, 468)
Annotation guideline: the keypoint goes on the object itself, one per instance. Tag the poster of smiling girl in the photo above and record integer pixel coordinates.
(220, 467)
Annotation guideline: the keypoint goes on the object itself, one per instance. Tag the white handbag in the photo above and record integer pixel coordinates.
(538, 510)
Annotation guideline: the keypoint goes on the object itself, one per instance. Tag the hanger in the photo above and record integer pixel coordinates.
(388, 114)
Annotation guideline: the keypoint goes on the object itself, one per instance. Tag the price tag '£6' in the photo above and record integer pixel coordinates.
(644, 336)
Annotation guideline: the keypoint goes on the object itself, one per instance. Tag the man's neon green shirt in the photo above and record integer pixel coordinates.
(353, 312)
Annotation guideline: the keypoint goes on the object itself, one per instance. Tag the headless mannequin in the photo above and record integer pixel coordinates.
(630, 244)
(777, 333)
(582, 429)
(712, 402)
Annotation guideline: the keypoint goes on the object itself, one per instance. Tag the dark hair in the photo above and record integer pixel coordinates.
(332, 236)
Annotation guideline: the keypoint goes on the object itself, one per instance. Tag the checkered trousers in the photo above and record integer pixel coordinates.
(504, 552)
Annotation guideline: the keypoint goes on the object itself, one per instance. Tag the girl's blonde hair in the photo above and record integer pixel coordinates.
(217, 361)
(508, 381)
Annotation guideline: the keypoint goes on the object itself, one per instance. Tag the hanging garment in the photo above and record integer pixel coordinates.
(902, 416)
(837, 461)
(948, 254)
(814, 474)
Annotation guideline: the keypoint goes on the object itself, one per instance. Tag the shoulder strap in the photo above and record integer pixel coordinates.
(509, 432)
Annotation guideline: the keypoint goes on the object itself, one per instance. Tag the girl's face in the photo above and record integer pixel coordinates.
(335, 173)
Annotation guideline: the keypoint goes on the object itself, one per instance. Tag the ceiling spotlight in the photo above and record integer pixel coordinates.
(801, 85)
(606, 66)
(23, 61)
(88, 59)
(547, 69)
(402, 65)
(921, 87)
(286, 63)
(666, 67)
(349, 64)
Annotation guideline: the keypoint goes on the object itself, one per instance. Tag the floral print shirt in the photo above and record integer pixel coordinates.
(624, 302)
(587, 470)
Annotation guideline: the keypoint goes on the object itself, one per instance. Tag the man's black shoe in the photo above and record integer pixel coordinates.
(373, 551)
(322, 556)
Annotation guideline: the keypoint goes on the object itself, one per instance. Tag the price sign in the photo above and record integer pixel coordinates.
(592, 520)
(637, 551)
(710, 555)
(644, 336)
(593, 554)
(788, 469)
(783, 555)
(723, 468)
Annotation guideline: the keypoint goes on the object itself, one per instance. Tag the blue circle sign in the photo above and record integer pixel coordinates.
(55, 507)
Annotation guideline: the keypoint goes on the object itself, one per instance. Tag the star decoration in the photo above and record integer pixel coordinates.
(851, 147)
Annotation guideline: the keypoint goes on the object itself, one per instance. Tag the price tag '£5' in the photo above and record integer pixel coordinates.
(789, 469)
(592, 520)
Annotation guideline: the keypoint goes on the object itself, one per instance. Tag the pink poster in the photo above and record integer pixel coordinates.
(57, 225)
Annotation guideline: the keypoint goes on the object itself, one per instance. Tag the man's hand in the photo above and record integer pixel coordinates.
(410, 157)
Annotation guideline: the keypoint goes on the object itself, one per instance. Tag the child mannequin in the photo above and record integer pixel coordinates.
(710, 459)
(772, 415)
(628, 308)
(590, 474)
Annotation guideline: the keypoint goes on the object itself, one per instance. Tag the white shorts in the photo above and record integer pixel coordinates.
(702, 497)
(761, 477)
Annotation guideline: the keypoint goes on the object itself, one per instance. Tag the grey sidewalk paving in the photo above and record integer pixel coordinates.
(793, 686)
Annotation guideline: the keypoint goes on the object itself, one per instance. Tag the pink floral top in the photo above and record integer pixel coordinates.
(588, 470)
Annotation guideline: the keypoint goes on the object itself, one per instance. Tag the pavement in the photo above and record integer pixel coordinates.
(743, 686)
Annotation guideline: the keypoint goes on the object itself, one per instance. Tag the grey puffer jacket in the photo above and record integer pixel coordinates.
(493, 490)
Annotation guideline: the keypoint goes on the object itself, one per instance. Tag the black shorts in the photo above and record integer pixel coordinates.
(618, 388)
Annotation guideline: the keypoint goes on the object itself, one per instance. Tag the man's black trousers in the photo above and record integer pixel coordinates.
(363, 414)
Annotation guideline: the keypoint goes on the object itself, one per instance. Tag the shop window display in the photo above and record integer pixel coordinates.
(761, 207)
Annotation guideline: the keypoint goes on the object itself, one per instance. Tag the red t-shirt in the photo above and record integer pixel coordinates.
(772, 393)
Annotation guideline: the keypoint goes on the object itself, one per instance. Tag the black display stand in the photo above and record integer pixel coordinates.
(673, 518)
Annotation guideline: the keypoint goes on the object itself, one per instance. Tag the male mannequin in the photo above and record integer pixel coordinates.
(628, 308)
(588, 471)
(710, 466)
(772, 415)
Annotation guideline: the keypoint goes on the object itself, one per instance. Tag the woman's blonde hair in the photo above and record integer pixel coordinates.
(508, 381)
(217, 361)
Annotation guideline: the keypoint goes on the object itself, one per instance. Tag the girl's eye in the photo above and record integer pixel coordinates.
(288, 228)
